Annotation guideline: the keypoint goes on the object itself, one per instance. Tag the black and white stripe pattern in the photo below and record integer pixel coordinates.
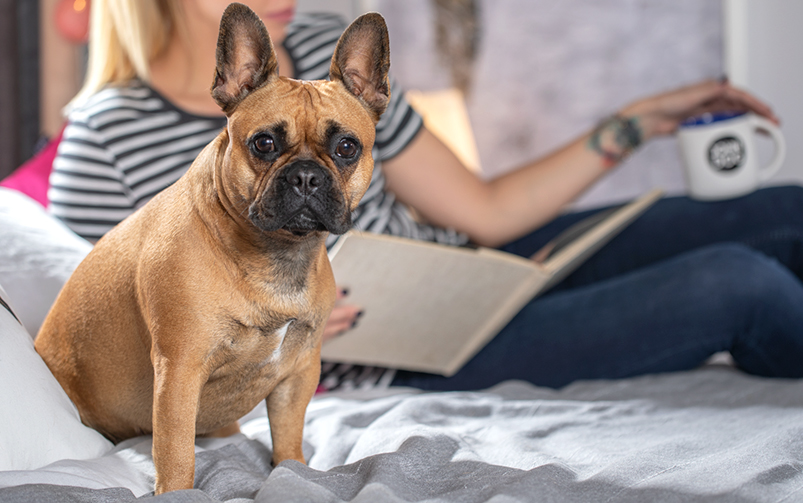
(120, 149)
(345, 377)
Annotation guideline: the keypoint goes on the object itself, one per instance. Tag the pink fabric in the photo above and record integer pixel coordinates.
(33, 177)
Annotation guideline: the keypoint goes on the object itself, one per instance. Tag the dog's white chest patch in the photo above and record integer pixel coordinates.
(280, 335)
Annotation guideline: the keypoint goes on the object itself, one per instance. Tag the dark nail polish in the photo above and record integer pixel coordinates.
(359, 313)
(344, 291)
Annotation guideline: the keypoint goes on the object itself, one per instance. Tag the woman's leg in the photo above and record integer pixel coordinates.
(769, 220)
(666, 317)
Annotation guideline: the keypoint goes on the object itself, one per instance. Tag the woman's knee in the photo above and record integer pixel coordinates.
(766, 304)
(744, 279)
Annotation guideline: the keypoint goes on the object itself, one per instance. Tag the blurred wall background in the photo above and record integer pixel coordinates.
(19, 82)
(546, 72)
(764, 53)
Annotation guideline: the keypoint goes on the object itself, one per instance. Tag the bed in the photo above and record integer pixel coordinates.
(711, 434)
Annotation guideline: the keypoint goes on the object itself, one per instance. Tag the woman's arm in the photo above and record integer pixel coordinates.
(428, 177)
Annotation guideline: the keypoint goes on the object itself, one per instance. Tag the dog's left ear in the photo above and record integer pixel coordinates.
(362, 60)
(245, 57)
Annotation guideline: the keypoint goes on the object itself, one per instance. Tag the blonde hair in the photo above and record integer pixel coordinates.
(124, 37)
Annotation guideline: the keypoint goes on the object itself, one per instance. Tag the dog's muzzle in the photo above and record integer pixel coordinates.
(302, 198)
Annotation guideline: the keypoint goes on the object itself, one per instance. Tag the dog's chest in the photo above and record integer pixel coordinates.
(261, 348)
(249, 360)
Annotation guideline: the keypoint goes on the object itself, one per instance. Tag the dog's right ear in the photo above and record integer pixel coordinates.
(245, 57)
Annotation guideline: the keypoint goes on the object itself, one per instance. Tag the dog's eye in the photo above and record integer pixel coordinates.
(346, 148)
(264, 143)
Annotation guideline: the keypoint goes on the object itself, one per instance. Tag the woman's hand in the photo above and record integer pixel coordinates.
(343, 317)
(662, 114)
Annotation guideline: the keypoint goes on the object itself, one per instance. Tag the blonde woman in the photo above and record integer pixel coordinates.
(686, 280)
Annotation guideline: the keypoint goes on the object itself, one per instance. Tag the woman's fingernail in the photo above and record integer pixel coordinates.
(344, 292)
(359, 313)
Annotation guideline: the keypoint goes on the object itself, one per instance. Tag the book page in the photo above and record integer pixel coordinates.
(427, 307)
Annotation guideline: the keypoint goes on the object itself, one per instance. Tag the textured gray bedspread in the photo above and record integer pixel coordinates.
(709, 435)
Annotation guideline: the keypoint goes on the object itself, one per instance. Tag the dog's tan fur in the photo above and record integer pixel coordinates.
(189, 313)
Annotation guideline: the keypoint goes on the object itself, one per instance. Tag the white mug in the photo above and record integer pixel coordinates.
(719, 154)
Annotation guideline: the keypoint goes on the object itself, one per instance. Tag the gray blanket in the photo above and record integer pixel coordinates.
(712, 434)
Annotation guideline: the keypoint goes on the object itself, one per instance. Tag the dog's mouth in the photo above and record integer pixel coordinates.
(303, 223)
(302, 199)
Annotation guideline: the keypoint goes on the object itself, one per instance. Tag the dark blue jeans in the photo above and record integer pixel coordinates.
(686, 280)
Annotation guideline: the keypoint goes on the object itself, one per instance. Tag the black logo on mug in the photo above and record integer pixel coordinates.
(726, 154)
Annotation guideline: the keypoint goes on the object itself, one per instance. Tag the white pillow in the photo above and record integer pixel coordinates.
(38, 422)
(37, 255)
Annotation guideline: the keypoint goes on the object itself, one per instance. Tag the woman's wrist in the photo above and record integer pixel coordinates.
(615, 138)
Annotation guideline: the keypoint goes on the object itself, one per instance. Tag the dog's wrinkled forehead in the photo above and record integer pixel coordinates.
(298, 118)
(305, 112)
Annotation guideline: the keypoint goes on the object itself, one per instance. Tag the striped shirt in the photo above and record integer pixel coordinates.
(128, 143)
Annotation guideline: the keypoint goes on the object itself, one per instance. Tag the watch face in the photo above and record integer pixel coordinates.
(726, 154)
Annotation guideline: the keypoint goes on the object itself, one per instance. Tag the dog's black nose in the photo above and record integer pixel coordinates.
(305, 177)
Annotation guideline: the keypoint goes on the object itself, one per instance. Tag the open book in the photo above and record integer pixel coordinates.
(431, 307)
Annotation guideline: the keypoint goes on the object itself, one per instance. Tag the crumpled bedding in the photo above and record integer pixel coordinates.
(712, 434)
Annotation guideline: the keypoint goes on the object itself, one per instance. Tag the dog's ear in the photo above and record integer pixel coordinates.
(245, 57)
(361, 62)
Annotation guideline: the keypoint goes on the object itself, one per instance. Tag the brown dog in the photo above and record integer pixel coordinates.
(214, 295)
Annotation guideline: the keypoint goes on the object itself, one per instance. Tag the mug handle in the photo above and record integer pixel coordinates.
(762, 124)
